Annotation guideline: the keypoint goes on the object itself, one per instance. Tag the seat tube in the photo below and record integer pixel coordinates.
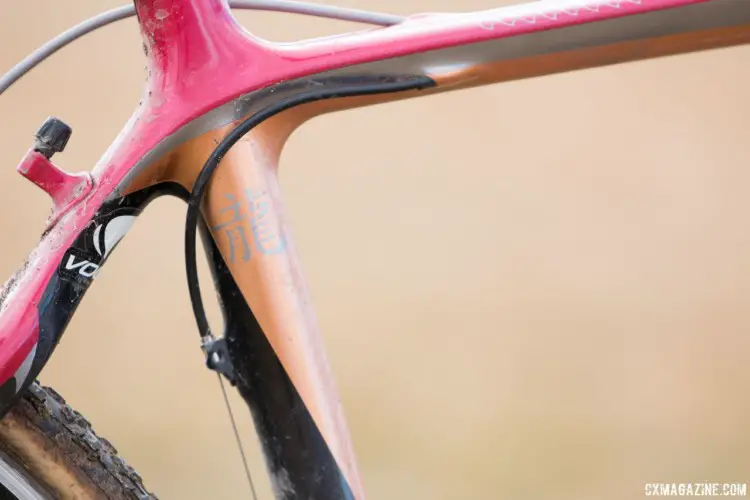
(274, 343)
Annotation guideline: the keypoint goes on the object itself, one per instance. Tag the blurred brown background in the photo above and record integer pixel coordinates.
(535, 290)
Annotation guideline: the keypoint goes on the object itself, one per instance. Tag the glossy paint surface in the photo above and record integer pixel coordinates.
(180, 90)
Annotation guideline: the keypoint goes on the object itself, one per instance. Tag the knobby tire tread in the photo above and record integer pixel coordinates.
(52, 441)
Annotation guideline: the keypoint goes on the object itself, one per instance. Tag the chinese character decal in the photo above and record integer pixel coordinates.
(234, 229)
(258, 217)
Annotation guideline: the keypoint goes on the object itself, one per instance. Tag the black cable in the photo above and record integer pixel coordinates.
(337, 89)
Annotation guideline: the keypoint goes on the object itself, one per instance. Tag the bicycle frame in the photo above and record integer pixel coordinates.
(206, 73)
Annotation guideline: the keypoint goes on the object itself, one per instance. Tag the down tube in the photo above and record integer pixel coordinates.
(276, 350)
(43, 321)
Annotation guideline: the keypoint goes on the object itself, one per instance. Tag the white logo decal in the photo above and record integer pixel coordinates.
(23, 370)
(85, 268)
(113, 233)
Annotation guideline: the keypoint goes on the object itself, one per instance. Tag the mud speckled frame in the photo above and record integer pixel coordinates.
(212, 83)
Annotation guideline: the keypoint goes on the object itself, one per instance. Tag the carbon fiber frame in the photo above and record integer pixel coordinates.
(206, 74)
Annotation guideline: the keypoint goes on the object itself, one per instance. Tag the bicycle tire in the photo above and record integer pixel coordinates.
(57, 447)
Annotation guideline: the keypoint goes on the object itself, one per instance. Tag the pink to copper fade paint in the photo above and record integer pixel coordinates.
(200, 58)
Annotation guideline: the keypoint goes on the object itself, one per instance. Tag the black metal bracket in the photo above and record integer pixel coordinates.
(217, 357)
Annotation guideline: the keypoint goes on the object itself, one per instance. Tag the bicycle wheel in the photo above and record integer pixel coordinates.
(49, 451)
